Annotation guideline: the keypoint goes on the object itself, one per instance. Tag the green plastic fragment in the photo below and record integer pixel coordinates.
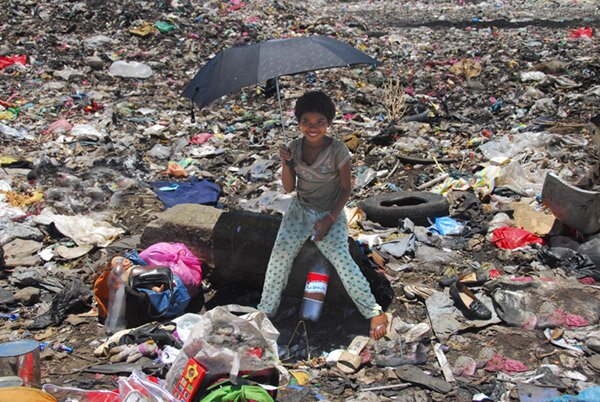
(164, 27)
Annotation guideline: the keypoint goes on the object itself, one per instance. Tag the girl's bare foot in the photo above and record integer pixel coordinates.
(379, 326)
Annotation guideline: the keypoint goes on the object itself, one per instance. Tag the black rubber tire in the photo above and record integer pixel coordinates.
(389, 208)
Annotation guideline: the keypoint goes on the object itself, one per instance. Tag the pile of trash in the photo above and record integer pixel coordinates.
(475, 150)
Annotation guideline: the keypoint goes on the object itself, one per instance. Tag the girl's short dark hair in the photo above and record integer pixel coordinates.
(315, 102)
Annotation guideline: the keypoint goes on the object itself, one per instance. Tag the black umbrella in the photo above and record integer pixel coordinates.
(235, 68)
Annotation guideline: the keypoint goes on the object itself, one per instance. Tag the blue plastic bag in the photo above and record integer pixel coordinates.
(447, 226)
(133, 256)
(161, 300)
(587, 395)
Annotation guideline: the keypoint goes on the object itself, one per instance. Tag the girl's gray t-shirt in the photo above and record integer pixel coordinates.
(318, 185)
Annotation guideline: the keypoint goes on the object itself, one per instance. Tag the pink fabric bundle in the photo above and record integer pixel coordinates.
(180, 259)
(499, 363)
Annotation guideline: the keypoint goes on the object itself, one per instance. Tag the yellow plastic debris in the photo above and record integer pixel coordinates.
(144, 29)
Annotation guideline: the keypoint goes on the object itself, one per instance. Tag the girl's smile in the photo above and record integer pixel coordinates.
(314, 127)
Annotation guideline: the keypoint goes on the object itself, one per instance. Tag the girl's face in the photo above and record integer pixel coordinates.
(313, 126)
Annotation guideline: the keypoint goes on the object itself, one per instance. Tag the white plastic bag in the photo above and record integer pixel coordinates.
(137, 387)
(520, 180)
(508, 147)
(130, 69)
(224, 342)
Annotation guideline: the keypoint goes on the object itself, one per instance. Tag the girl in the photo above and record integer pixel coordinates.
(318, 168)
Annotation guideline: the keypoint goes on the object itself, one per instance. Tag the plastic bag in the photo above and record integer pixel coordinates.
(512, 238)
(508, 147)
(130, 69)
(588, 394)
(162, 300)
(149, 391)
(185, 324)
(6, 61)
(81, 395)
(447, 226)
(520, 180)
(364, 176)
(225, 343)
(180, 259)
(581, 33)
(238, 393)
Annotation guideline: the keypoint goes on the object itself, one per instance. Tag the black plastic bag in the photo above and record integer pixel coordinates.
(75, 296)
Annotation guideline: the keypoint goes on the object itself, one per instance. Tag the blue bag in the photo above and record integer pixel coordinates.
(173, 303)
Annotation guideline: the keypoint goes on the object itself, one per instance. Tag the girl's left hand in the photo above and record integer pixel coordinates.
(321, 228)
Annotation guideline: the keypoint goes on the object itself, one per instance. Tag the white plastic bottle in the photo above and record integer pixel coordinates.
(115, 317)
(315, 291)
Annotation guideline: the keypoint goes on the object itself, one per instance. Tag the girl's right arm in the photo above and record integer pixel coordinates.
(288, 174)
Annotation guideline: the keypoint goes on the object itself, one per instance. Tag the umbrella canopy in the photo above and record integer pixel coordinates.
(235, 68)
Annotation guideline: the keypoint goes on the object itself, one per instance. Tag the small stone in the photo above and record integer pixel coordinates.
(95, 62)
(6, 297)
(594, 361)
(27, 296)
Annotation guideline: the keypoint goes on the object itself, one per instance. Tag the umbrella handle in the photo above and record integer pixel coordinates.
(285, 140)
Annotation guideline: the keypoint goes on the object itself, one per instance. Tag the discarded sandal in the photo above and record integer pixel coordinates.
(390, 327)
(474, 278)
(417, 292)
(350, 360)
(466, 302)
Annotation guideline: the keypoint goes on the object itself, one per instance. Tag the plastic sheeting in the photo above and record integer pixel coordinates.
(84, 230)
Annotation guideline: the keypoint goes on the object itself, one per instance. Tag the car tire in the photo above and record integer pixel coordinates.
(389, 208)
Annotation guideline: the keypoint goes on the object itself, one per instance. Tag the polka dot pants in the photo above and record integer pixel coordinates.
(295, 229)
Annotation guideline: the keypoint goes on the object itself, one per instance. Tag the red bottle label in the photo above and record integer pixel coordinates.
(316, 286)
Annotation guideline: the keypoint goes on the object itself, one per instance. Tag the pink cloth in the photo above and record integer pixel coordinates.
(61, 124)
(180, 259)
(530, 323)
(559, 318)
(499, 363)
(201, 138)
(522, 279)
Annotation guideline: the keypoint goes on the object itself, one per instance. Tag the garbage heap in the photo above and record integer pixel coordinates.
(492, 106)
